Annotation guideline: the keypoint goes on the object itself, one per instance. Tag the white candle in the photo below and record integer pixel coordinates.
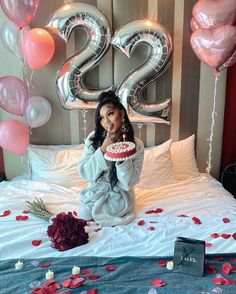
(19, 265)
(75, 270)
(170, 265)
(49, 275)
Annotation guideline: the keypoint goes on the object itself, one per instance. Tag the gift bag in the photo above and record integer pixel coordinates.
(189, 256)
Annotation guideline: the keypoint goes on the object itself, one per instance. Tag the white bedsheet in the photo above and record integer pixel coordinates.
(201, 197)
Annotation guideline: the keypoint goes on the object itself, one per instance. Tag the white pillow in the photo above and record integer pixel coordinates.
(56, 164)
(157, 167)
(183, 158)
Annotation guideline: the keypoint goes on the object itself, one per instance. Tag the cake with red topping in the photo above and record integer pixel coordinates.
(120, 151)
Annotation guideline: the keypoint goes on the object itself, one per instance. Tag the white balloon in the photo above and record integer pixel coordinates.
(38, 111)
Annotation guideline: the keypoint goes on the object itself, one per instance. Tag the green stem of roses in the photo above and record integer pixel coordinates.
(38, 208)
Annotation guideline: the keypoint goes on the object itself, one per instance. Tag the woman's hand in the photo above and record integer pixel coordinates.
(109, 139)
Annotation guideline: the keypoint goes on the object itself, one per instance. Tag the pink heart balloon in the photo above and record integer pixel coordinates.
(214, 47)
(14, 96)
(21, 12)
(229, 62)
(37, 47)
(210, 14)
(193, 25)
(14, 136)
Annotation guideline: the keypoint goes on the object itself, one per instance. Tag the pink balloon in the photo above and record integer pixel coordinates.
(214, 47)
(14, 96)
(14, 136)
(21, 12)
(193, 25)
(229, 62)
(210, 14)
(38, 48)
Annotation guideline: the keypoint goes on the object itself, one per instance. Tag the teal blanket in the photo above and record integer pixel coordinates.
(113, 275)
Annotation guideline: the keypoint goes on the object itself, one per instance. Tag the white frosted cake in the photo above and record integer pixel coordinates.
(120, 151)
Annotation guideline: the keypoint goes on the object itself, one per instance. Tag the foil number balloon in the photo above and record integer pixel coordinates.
(70, 77)
(72, 91)
(130, 90)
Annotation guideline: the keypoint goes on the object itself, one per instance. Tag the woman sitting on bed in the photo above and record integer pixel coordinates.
(109, 198)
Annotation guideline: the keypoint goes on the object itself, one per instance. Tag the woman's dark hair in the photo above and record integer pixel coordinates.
(97, 139)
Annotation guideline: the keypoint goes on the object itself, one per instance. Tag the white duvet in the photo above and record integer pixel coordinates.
(150, 234)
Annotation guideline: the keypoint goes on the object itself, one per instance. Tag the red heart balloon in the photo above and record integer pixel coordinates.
(214, 47)
(210, 14)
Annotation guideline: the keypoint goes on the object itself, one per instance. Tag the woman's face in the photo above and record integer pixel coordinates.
(111, 118)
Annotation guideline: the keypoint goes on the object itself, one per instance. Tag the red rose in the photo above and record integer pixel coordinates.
(67, 231)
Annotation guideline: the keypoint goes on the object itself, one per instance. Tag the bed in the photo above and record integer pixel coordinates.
(172, 199)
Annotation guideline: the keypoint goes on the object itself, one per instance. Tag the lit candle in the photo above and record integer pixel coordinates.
(19, 265)
(49, 275)
(75, 270)
(170, 265)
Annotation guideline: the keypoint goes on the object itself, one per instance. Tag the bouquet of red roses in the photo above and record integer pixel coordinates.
(65, 231)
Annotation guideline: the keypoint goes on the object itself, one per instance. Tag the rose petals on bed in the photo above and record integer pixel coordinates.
(223, 281)
(218, 259)
(5, 213)
(151, 211)
(36, 242)
(208, 244)
(22, 217)
(196, 220)
(73, 283)
(234, 236)
(48, 287)
(162, 263)
(226, 220)
(85, 271)
(183, 215)
(93, 291)
(111, 268)
(150, 228)
(210, 268)
(226, 236)
(25, 211)
(47, 264)
(226, 268)
(215, 235)
(141, 223)
(94, 277)
(158, 283)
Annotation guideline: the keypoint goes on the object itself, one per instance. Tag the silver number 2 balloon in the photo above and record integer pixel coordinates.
(130, 90)
(70, 78)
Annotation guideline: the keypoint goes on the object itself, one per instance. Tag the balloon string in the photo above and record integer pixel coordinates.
(84, 114)
(140, 125)
(210, 139)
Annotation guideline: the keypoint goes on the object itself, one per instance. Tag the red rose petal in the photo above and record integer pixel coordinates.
(36, 242)
(182, 215)
(93, 291)
(150, 211)
(210, 269)
(94, 277)
(234, 236)
(141, 223)
(85, 271)
(150, 228)
(218, 259)
(158, 210)
(226, 236)
(196, 220)
(207, 244)
(111, 268)
(158, 283)
(226, 268)
(22, 217)
(5, 213)
(25, 211)
(226, 220)
(162, 263)
(215, 235)
(67, 283)
(232, 259)
(223, 281)
(47, 264)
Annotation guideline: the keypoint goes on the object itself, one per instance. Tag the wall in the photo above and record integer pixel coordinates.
(189, 83)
